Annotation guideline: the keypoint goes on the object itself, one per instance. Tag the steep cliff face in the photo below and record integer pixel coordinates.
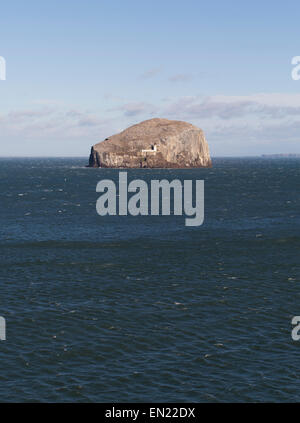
(154, 143)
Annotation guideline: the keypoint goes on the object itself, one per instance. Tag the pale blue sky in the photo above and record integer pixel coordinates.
(79, 71)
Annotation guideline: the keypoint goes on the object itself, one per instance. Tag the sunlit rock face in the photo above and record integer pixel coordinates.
(154, 143)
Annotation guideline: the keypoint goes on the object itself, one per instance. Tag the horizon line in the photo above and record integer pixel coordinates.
(86, 157)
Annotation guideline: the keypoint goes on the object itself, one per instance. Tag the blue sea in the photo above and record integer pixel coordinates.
(145, 309)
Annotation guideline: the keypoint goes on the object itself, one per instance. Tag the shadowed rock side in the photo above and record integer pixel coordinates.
(154, 143)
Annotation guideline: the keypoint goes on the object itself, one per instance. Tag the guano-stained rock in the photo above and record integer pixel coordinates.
(154, 143)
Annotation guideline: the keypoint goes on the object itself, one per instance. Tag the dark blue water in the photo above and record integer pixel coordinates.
(143, 308)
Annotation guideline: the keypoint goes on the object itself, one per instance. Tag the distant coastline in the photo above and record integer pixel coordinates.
(275, 156)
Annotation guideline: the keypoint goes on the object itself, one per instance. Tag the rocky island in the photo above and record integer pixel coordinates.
(154, 143)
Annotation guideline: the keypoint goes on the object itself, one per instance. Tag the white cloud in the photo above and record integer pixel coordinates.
(135, 109)
(151, 73)
(230, 107)
(180, 77)
(51, 122)
(249, 124)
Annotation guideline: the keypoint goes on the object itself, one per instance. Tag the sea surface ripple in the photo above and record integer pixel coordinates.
(145, 309)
